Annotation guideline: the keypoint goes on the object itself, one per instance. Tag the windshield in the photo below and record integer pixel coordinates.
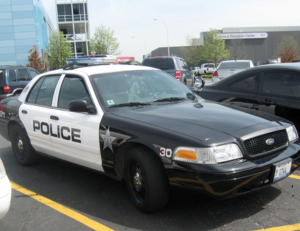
(132, 87)
(241, 65)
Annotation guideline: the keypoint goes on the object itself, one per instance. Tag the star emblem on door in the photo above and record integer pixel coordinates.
(108, 139)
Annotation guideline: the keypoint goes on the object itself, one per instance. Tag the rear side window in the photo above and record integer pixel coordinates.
(229, 65)
(12, 75)
(162, 64)
(42, 92)
(23, 75)
(33, 73)
(281, 83)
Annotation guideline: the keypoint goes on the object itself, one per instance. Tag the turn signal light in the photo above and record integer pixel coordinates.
(215, 74)
(6, 89)
(178, 75)
(186, 154)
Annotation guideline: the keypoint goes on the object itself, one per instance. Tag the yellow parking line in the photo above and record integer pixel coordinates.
(295, 177)
(294, 227)
(62, 209)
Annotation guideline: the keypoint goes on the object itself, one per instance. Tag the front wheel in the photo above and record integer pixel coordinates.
(146, 180)
(22, 149)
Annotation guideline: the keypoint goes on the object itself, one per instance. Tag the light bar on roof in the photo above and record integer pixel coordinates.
(105, 59)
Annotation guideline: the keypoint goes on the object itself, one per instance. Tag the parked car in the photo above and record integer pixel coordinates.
(273, 89)
(140, 124)
(173, 65)
(266, 61)
(230, 67)
(207, 68)
(13, 79)
(5, 191)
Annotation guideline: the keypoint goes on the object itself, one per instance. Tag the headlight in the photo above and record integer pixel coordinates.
(213, 155)
(292, 133)
(2, 170)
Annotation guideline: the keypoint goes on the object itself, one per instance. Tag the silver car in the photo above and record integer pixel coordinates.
(230, 67)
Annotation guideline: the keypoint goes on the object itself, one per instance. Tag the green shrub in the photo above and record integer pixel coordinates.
(206, 76)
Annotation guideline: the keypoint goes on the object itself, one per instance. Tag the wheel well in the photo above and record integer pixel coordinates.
(9, 127)
(121, 156)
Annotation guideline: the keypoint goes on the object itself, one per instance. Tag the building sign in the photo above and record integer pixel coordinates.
(257, 35)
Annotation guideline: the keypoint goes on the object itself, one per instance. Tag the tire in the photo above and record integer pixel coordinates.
(22, 149)
(146, 180)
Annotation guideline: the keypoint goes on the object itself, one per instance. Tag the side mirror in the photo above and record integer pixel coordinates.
(80, 105)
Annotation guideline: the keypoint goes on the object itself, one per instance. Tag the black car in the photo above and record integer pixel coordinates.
(14, 78)
(273, 89)
(140, 124)
(175, 66)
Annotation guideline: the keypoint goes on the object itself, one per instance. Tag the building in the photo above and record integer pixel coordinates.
(23, 23)
(72, 18)
(256, 43)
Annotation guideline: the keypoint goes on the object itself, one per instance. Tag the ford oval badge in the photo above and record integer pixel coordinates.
(270, 141)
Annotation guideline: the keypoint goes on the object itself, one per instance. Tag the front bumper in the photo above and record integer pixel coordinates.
(233, 178)
(5, 196)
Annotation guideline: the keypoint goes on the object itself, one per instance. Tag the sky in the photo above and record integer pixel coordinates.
(135, 18)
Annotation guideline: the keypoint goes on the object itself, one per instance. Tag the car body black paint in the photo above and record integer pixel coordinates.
(287, 107)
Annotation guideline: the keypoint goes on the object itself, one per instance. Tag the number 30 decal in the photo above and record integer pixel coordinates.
(165, 152)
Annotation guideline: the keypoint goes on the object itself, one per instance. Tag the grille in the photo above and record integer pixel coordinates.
(258, 145)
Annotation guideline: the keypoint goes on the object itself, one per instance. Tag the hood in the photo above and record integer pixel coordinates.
(201, 119)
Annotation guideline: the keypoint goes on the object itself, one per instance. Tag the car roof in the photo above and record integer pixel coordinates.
(163, 57)
(99, 69)
(228, 61)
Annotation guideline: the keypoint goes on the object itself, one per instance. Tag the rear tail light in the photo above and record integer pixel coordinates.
(6, 89)
(215, 74)
(178, 75)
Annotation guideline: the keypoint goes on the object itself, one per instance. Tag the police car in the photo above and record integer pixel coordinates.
(140, 124)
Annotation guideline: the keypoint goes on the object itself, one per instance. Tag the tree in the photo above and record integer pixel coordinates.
(288, 49)
(104, 42)
(58, 50)
(214, 47)
(192, 52)
(237, 49)
(35, 61)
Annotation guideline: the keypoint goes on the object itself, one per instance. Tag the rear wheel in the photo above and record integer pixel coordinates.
(22, 149)
(146, 180)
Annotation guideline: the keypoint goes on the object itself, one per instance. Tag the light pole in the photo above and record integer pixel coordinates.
(167, 35)
(144, 42)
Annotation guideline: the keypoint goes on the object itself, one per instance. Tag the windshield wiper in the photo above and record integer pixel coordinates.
(130, 104)
(169, 99)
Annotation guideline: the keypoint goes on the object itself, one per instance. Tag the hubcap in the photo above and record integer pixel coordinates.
(137, 182)
(20, 145)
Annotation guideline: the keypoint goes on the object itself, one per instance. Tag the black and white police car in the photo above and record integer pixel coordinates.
(142, 125)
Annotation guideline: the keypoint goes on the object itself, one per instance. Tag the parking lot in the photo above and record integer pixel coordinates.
(55, 195)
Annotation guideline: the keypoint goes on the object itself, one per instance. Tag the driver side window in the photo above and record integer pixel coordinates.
(73, 88)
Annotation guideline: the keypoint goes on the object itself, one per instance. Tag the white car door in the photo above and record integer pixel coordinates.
(77, 133)
(35, 113)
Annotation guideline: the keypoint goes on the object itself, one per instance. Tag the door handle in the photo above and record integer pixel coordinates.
(269, 102)
(24, 112)
(54, 117)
